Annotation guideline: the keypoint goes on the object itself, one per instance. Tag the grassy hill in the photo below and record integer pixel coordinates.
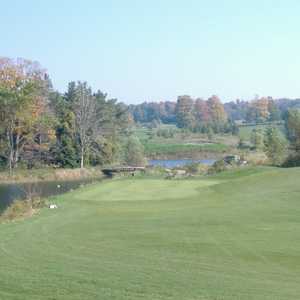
(233, 236)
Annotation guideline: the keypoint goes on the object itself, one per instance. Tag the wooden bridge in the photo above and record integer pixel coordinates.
(127, 169)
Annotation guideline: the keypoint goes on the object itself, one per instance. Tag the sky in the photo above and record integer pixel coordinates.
(155, 50)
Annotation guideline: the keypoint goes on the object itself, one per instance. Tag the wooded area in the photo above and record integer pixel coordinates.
(40, 126)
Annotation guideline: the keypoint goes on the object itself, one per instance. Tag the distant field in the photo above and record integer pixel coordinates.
(158, 149)
(245, 131)
(233, 236)
(182, 144)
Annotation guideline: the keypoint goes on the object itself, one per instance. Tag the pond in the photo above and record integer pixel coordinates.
(173, 163)
(13, 191)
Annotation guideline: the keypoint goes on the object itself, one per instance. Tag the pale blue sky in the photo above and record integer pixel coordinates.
(151, 50)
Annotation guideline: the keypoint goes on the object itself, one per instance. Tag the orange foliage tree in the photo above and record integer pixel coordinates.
(22, 104)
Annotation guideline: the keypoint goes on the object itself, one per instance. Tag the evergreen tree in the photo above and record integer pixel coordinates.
(274, 112)
(257, 139)
(65, 152)
(274, 146)
(293, 127)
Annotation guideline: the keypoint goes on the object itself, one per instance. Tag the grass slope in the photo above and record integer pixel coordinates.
(235, 236)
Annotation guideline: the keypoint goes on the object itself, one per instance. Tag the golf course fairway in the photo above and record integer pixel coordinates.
(231, 236)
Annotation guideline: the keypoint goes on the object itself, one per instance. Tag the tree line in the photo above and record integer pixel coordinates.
(198, 115)
(189, 113)
(282, 146)
(40, 126)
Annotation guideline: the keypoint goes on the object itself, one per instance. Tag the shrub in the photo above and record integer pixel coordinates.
(134, 152)
(217, 167)
(17, 209)
(192, 168)
(293, 160)
(156, 171)
(196, 168)
(255, 158)
(22, 208)
(166, 133)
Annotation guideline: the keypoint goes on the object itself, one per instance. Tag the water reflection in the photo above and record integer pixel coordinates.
(11, 192)
(173, 163)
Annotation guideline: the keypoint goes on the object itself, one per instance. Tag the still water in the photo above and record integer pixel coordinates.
(11, 192)
(173, 163)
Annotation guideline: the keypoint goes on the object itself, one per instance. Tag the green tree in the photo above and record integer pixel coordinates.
(275, 146)
(257, 139)
(65, 152)
(274, 112)
(293, 127)
(210, 133)
(184, 112)
(134, 152)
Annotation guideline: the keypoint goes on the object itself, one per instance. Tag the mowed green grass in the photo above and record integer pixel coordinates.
(233, 236)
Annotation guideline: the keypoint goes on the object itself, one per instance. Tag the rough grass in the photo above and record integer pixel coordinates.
(48, 174)
(160, 148)
(183, 144)
(21, 209)
(18, 209)
(234, 236)
(246, 131)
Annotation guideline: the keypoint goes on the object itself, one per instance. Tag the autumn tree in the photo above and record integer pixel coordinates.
(258, 110)
(216, 110)
(202, 111)
(22, 102)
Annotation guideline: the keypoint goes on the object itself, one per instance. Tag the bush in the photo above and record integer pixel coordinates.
(22, 208)
(243, 144)
(156, 171)
(166, 133)
(217, 167)
(192, 168)
(255, 158)
(134, 152)
(196, 168)
(293, 160)
(17, 209)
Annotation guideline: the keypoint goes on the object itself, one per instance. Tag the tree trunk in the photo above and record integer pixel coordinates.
(16, 154)
(11, 152)
(10, 160)
(82, 158)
